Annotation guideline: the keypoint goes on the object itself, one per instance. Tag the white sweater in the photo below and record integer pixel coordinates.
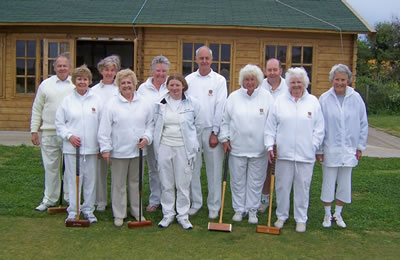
(79, 116)
(346, 128)
(123, 124)
(297, 127)
(244, 121)
(49, 96)
(105, 91)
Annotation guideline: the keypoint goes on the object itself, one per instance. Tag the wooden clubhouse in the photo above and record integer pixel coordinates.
(315, 34)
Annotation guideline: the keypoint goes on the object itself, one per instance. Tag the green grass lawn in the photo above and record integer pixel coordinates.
(387, 123)
(373, 230)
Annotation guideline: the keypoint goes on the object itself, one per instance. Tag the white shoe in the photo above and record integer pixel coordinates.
(264, 203)
(71, 216)
(253, 219)
(300, 227)
(118, 222)
(339, 221)
(238, 216)
(327, 221)
(43, 206)
(185, 223)
(141, 218)
(279, 223)
(212, 214)
(90, 217)
(193, 211)
(164, 223)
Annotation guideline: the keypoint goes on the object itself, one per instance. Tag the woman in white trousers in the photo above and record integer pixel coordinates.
(242, 133)
(346, 133)
(175, 144)
(296, 125)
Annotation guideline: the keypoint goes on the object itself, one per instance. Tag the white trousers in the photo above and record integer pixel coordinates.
(123, 172)
(175, 172)
(213, 159)
(247, 179)
(101, 185)
(154, 178)
(51, 150)
(87, 181)
(341, 176)
(298, 175)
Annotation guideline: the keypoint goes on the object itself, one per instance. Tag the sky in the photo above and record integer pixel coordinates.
(374, 11)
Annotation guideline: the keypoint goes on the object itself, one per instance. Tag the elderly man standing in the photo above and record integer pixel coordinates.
(210, 89)
(49, 96)
(276, 85)
(105, 89)
(152, 90)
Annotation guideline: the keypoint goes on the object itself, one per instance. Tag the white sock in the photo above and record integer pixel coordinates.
(264, 198)
(338, 210)
(328, 210)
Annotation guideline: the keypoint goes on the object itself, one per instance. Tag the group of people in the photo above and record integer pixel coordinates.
(176, 120)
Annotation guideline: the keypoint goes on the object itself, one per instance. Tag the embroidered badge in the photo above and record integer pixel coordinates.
(210, 92)
(93, 110)
(309, 114)
(261, 111)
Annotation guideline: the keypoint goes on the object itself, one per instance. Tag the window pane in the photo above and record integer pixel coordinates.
(30, 85)
(196, 67)
(187, 51)
(186, 68)
(197, 45)
(30, 65)
(309, 72)
(269, 52)
(31, 47)
(64, 47)
(50, 69)
(215, 51)
(53, 52)
(41, 48)
(307, 55)
(20, 67)
(281, 55)
(214, 67)
(225, 70)
(283, 71)
(296, 54)
(20, 85)
(225, 52)
(20, 48)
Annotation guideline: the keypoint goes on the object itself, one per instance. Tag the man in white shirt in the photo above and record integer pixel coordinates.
(210, 89)
(276, 85)
(105, 89)
(49, 96)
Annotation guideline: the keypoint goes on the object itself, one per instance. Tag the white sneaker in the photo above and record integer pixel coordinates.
(339, 221)
(185, 223)
(193, 211)
(327, 221)
(264, 203)
(238, 216)
(279, 223)
(90, 217)
(164, 223)
(43, 206)
(71, 216)
(118, 222)
(300, 227)
(253, 219)
(212, 214)
(141, 218)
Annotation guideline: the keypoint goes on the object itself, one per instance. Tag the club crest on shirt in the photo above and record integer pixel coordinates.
(93, 110)
(261, 111)
(210, 92)
(309, 114)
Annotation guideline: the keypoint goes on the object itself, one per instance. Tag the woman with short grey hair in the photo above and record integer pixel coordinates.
(242, 127)
(346, 133)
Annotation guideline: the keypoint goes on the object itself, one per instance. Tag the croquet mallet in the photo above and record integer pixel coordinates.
(222, 226)
(271, 170)
(77, 222)
(60, 208)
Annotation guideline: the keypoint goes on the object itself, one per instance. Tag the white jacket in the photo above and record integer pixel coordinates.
(150, 93)
(211, 92)
(244, 121)
(190, 124)
(346, 128)
(79, 116)
(105, 92)
(297, 127)
(281, 89)
(123, 124)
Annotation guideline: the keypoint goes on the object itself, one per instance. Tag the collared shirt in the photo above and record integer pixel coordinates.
(282, 88)
(49, 96)
(105, 91)
(211, 91)
(149, 92)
